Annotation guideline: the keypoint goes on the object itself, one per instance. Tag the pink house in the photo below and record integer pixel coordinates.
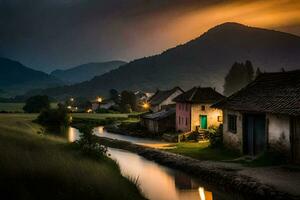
(194, 112)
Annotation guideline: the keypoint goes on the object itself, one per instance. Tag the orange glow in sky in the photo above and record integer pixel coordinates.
(282, 15)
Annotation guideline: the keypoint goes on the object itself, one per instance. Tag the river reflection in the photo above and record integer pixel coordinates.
(74, 134)
(158, 182)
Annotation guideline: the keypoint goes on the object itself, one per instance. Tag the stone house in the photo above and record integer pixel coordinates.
(193, 111)
(163, 120)
(162, 99)
(264, 114)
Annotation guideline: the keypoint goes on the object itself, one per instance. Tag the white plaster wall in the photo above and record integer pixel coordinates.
(169, 100)
(279, 125)
(233, 140)
(212, 115)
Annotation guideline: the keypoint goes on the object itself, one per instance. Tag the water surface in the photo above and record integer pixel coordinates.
(156, 182)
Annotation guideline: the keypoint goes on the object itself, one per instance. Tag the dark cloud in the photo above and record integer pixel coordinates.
(46, 34)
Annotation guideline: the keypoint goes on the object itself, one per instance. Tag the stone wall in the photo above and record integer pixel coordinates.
(233, 140)
(279, 128)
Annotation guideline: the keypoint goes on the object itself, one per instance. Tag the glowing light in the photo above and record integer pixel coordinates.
(202, 193)
(89, 111)
(72, 99)
(99, 99)
(69, 107)
(146, 105)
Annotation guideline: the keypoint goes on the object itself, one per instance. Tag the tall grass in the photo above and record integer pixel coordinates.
(35, 166)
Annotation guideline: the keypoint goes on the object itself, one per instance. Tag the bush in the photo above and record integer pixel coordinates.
(36, 104)
(54, 118)
(127, 109)
(88, 146)
(216, 136)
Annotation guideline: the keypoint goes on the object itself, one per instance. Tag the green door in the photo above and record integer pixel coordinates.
(203, 121)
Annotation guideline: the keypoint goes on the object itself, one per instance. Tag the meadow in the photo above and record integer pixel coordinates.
(16, 107)
(41, 166)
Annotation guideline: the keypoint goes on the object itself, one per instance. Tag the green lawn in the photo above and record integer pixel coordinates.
(17, 107)
(35, 166)
(102, 115)
(98, 115)
(202, 151)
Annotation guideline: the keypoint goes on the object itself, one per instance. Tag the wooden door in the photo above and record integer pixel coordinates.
(203, 121)
(254, 134)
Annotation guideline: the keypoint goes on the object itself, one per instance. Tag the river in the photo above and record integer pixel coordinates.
(156, 182)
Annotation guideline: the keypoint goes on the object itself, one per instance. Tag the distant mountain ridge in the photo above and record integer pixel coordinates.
(86, 71)
(203, 61)
(16, 79)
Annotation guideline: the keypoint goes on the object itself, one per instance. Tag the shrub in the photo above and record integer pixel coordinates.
(36, 104)
(216, 136)
(88, 146)
(54, 118)
(126, 109)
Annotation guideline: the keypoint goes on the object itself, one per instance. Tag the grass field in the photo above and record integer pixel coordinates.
(99, 115)
(202, 151)
(35, 166)
(16, 107)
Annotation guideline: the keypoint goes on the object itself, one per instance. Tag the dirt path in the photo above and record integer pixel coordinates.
(279, 177)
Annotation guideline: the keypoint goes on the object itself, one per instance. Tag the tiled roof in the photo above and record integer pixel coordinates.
(160, 115)
(160, 96)
(270, 92)
(200, 95)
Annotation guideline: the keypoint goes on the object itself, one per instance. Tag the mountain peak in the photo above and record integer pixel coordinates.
(203, 61)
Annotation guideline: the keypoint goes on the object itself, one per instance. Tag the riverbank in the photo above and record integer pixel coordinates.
(39, 166)
(229, 176)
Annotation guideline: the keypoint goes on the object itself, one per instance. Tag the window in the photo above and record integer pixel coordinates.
(186, 121)
(203, 108)
(186, 107)
(232, 123)
(220, 119)
(179, 120)
(179, 106)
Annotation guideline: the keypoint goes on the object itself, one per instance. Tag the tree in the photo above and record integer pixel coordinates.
(54, 119)
(239, 75)
(249, 70)
(36, 104)
(82, 103)
(258, 72)
(114, 95)
(128, 100)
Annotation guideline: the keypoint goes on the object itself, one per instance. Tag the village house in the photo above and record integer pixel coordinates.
(162, 99)
(264, 113)
(163, 120)
(103, 104)
(193, 111)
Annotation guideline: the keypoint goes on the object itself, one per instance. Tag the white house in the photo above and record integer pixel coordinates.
(264, 113)
(163, 99)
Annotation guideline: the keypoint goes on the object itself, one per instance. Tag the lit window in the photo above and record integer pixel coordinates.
(202, 108)
(232, 123)
(220, 119)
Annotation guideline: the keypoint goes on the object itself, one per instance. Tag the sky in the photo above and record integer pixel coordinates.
(51, 34)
